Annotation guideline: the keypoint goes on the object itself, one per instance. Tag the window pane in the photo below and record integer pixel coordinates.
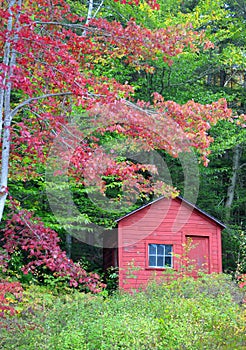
(160, 261)
(152, 260)
(168, 249)
(160, 255)
(152, 249)
(168, 261)
(160, 249)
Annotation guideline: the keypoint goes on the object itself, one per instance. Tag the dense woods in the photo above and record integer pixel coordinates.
(105, 106)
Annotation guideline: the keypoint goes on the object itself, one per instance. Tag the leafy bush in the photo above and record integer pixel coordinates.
(186, 314)
(33, 250)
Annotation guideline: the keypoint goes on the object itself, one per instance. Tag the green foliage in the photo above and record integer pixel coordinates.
(111, 279)
(234, 250)
(184, 314)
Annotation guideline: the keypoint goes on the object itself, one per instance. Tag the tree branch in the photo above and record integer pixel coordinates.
(98, 9)
(77, 26)
(29, 100)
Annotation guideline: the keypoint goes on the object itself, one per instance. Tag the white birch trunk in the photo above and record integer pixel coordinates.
(6, 61)
(90, 9)
(5, 109)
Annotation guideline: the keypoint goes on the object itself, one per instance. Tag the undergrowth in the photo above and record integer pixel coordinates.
(207, 313)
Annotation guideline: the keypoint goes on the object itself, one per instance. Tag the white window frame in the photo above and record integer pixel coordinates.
(163, 256)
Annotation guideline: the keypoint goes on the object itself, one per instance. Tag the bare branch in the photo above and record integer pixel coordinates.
(98, 9)
(76, 26)
(136, 107)
(29, 100)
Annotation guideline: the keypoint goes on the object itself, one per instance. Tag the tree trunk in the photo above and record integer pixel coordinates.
(69, 245)
(5, 96)
(89, 14)
(233, 180)
(90, 9)
(222, 78)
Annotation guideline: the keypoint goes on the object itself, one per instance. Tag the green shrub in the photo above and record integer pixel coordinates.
(186, 314)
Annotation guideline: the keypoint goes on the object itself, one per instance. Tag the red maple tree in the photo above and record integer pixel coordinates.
(48, 58)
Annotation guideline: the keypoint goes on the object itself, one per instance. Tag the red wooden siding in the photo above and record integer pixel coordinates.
(165, 222)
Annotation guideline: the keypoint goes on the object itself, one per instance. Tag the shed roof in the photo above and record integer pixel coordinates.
(193, 206)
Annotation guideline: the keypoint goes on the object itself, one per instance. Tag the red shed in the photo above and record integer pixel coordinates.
(152, 239)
